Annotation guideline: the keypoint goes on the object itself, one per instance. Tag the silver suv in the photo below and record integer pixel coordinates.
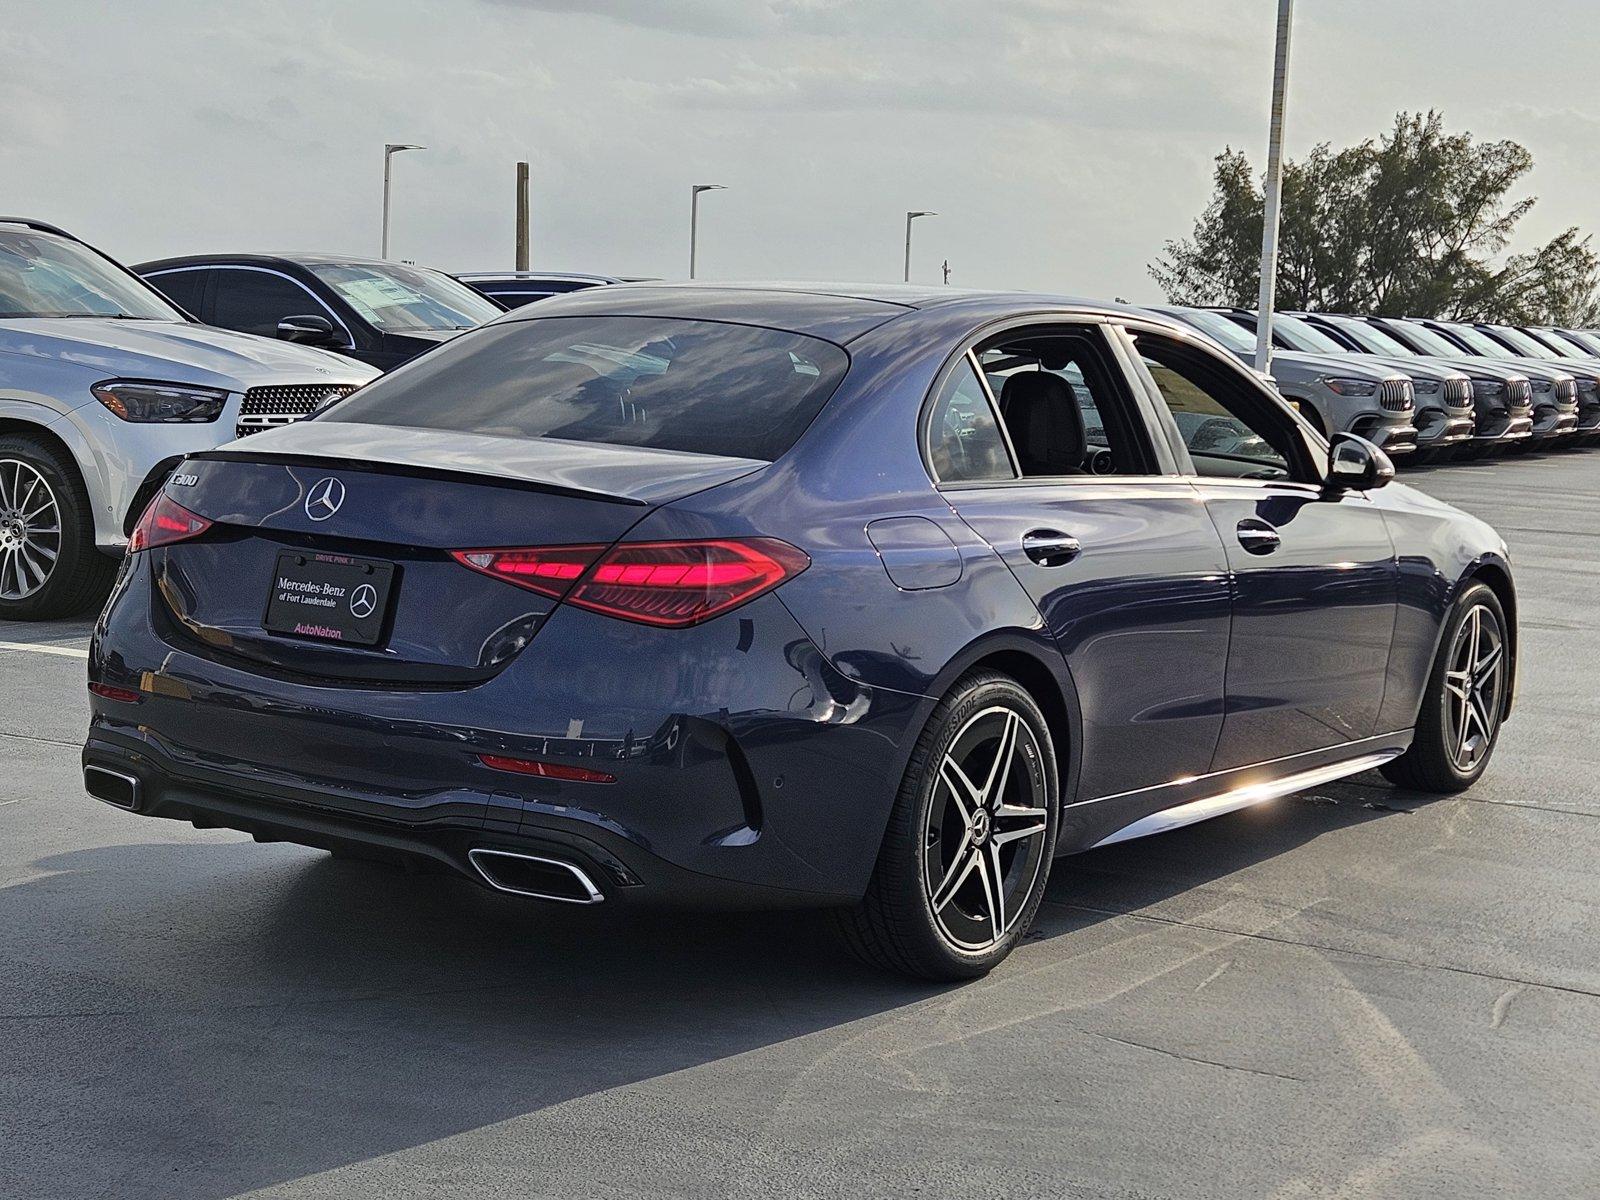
(1337, 392)
(104, 387)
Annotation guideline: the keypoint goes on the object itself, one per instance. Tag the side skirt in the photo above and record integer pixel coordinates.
(1246, 791)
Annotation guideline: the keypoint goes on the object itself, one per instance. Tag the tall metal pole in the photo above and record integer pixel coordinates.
(389, 151)
(910, 217)
(694, 219)
(522, 216)
(1274, 192)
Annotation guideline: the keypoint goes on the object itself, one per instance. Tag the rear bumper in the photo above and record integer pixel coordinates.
(743, 764)
(615, 867)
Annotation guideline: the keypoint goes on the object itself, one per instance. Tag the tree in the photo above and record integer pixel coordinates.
(1416, 223)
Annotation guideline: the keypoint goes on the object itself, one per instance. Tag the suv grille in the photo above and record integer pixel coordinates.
(264, 407)
(1395, 395)
(1458, 393)
(1566, 393)
(1519, 395)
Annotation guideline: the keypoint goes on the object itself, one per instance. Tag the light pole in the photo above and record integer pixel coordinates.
(694, 218)
(910, 217)
(389, 151)
(1274, 192)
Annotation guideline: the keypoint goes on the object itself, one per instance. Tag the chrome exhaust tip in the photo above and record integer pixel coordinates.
(532, 875)
(114, 787)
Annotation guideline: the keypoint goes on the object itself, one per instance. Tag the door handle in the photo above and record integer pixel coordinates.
(1051, 547)
(1257, 537)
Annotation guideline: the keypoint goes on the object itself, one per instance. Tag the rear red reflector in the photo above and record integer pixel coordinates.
(121, 695)
(165, 521)
(672, 584)
(545, 770)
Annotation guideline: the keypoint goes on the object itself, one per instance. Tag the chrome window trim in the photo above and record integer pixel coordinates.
(350, 340)
(1315, 455)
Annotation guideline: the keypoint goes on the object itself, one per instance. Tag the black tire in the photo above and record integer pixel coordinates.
(896, 925)
(1437, 760)
(79, 577)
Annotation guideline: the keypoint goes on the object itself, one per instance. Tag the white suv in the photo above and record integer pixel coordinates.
(104, 387)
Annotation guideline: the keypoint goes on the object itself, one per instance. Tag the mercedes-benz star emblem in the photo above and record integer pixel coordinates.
(324, 499)
(363, 601)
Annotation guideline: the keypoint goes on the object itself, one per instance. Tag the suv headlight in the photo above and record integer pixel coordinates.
(1426, 387)
(1350, 387)
(1490, 389)
(1588, 384)
(160, 403)
(1541, 385)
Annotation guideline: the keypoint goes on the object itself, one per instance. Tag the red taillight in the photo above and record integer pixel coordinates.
(550, 571)
(545, 770)
(673, 584)
(121, 695)
(165, 521)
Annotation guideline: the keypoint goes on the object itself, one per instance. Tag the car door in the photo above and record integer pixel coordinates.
(1045, 455)
(1314, 572)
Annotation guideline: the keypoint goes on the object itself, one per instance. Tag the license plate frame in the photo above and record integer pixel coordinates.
(334, 598)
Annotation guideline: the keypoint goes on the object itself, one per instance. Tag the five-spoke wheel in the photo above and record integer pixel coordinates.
(1474, 685)
(967, 853)
(1465, 700)
(984, 834)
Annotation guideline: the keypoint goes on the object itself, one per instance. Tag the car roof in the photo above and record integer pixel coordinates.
(534, 277)
(837, 312)
(272, 259)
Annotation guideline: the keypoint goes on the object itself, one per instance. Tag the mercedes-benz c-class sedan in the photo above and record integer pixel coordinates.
(879, 600)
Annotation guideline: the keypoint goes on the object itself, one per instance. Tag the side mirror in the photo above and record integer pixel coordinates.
(1355, 464)
(308, 331)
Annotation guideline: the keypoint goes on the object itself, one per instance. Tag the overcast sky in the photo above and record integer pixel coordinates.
(1059, 140)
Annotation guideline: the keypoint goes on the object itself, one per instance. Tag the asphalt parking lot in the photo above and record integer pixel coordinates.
(1356, 991)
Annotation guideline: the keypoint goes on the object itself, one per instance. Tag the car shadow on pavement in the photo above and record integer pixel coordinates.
(203, 1018)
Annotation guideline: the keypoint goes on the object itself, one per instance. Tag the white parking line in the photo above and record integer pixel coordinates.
(63, 651)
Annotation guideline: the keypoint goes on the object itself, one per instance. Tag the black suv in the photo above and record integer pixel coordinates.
(380, 312)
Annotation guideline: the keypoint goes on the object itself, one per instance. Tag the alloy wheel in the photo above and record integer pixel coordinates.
(1474, 686)
(984, 835)
(30, 530)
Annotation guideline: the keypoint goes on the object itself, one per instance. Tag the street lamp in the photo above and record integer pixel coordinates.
(389, 151)
(910, 217)
(1273, 197)
(694, 217)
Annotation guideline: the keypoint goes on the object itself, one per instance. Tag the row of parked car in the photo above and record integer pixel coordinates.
(110, 376)
(1426, 389)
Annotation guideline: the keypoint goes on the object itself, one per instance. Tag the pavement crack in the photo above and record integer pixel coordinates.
(43, 741)
(1205, 1062)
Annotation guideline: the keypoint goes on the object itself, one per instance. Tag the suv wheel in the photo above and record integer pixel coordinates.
(49, 566)
(965, 859)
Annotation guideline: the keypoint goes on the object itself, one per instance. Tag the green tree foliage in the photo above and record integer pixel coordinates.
(1416, 223)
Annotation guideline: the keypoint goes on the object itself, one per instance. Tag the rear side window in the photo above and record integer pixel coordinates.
(964, 442)
(183, 288)
(700, 386)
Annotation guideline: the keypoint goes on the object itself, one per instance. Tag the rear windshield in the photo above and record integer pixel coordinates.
(702, 386)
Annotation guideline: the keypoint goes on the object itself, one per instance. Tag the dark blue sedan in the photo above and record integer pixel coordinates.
(872, 599)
